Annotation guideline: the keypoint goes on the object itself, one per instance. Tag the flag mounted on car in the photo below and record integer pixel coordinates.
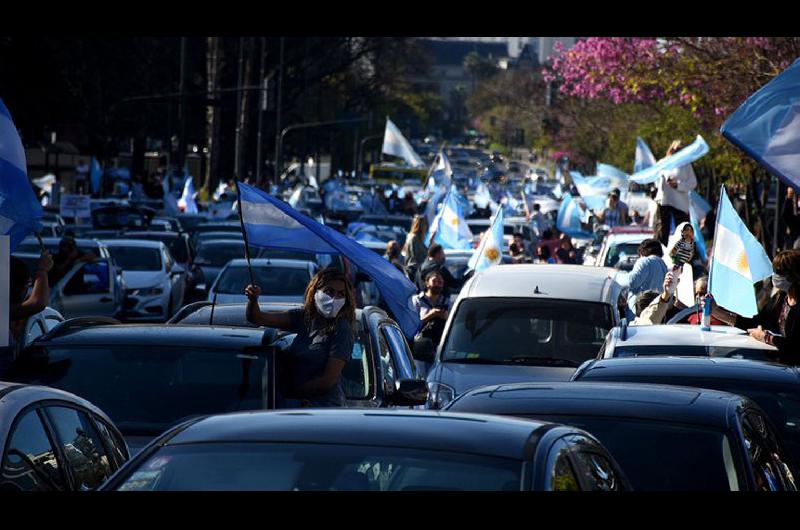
(490, 251)
(271, 223)
(20, 210)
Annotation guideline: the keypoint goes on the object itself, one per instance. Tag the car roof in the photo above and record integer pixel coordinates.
(690, 335)
(269, 262)
(567, 282)
(627, 237)
(79, 241)
(639, 230)
(676, 367)
(628, 400)
(154, 334)
(152, 233)
(138, 243)
(433, 430)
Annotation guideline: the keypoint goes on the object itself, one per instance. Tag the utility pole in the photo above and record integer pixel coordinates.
(182, 108)
(261, 108)
(278, 136)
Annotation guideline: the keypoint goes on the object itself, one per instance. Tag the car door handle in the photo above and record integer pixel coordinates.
(106, 299)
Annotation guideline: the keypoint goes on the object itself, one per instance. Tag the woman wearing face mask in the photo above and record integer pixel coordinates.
(778, 322)
(325, 333)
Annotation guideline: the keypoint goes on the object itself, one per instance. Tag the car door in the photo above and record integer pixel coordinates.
(87, 290)
(770, 464)
(401, 355)
(595, 468)
(30, 461)
(177, 280)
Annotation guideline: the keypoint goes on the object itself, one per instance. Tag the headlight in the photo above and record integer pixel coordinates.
(150, 291)
(439, 395)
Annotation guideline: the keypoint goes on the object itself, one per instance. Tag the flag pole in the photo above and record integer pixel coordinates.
(244, 232)
(713, 243)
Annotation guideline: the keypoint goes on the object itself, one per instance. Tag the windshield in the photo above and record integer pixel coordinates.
(527, 331)
(274, 281)
(661, 456)
(219, 254)
(622, 250)
(274, 253)
(176, 245)
(146, 390)
(136, 258)
(692, 351)
(318, 467)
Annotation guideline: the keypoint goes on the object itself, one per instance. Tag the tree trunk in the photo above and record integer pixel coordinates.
(213, 68)
(244, 116)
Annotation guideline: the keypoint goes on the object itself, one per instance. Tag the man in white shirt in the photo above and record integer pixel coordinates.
(672, 196)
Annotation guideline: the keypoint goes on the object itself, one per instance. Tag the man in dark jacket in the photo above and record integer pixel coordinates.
(435, 261)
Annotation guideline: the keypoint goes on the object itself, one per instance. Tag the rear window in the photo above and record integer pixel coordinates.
(274, 281)
(217, 255)
(621, 251)
(146, 390)
(527, 331)
(137, 258)
(691, 351)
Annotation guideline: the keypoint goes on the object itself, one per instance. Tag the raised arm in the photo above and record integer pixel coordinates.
(40, 294)
(254, 314)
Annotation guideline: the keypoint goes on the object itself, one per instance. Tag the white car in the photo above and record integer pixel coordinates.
(683, 340)
(155, 284)
(281, 280)
(620, 249)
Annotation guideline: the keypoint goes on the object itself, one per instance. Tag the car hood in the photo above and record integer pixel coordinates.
(139, 279)
(463, 377)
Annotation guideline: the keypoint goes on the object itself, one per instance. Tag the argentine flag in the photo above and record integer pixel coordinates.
(490, 251)
(441, 174)
(592, 191)
(644, 156)
(20, 210)
(483, 198)
(449, 228)
(738, 261)
(569, 217)
(395, 144)
(187, 198)
(617, 177)
(687, 155)
(767, 125)
(271, 223)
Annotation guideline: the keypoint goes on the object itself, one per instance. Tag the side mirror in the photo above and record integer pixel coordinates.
(409, 393)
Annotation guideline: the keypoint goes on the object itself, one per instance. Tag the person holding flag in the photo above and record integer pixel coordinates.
(672, 196)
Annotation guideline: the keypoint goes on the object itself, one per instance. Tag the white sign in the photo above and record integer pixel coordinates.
(76, 206)
(5, 272)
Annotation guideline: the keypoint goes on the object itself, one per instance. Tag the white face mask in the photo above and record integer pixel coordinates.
(327, 306)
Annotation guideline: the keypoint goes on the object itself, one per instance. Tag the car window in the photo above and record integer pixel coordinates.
(274, 281)
(562, 477)
(91, 278)
(137, 258)
(769, 468)
(593, 466)
(387, 365)
(81, 445)
(400, 352)
(51, 322)
(29, 461)
(36, 330)
(355, 375)
(116, 446)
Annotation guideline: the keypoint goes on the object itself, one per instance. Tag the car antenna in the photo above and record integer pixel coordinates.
(213, 303)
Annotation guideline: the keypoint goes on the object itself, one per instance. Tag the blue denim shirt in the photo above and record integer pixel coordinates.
(647, 275)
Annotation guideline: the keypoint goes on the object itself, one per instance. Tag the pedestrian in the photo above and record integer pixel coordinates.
(393, 255)
(393, 204)
(67, 256)
(537, 220)
(566, 253)
(436, 261)
(649, 270)
(523, 253)
(22, 307)
(543, 254)
(433, 308)
(550, 241)
(700, 290)
(672, 196)
(791, 217)
(325, 327)
(614, 214)
(409, 204)
(415, 250)
(786, 334)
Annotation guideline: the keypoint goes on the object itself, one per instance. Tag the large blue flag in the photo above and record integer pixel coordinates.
(569, 218)
(593, 190)
(432, 208)
(450, 228)
(20, 211)
(644, 156)
(271, 223)
(490, 251)
(687, 155)
(737, 262)
(767, 125)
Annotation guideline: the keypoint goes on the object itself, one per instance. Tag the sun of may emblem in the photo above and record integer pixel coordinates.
(492, 253)
(454, 222)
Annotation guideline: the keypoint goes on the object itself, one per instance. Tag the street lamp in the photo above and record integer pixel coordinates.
(361, 151)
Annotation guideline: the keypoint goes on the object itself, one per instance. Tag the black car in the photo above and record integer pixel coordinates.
(381, 362)
(774, 387)
(352, 450)
(55, 441)
(666, 438)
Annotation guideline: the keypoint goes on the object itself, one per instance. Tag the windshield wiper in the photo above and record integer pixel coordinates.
(543, 361)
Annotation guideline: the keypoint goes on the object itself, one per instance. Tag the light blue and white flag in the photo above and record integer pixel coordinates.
(767, 125)
(737, 262)
(296, 197)
(490, 251)
(593, 190)
(687, 155)
(271, 223)
(395, 144)
(615, 175)
(698, 206)
(187, 198)
(441, 172)
(644, 156)
(20, 211)
(95, 175)
(483, 198)
(450, 228)
(570, 215)
(432, 208)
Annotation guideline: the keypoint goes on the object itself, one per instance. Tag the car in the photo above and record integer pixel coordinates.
(190, 221)
(51, 440)
(683, 340)
(213, 254)
(228, 227)
(621, 246)
(280, 280)
(666, 438)
(40, 323)
(119, 216)
(381, 358)
(511, 226)
(155, 283)
(362, 450)
(181, 250)
(774, 387)
(514, 323)
(457, 261)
